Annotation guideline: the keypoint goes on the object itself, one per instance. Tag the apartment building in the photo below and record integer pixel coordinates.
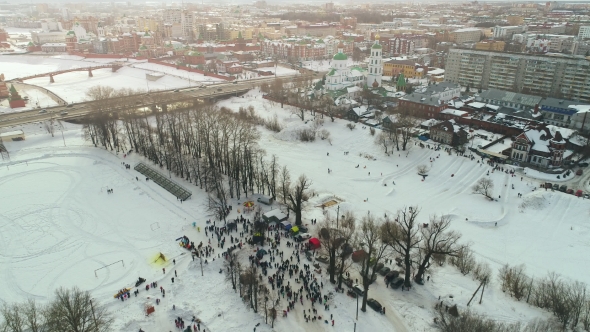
(180, 18)
(466, 35)
(508, 32)
(549, 76)
(584, 31)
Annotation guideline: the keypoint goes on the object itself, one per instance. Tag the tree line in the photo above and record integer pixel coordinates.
(213, 148)
(70, 310)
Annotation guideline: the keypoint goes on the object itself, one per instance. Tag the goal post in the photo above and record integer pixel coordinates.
(100, 268)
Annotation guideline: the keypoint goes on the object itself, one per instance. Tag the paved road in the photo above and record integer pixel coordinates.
(80, 109)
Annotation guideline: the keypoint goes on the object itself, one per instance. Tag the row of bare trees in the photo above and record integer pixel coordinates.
(398, 133)
(418, 245)
(567, 300)
(248, 281)
(70, 310)
(211, 147)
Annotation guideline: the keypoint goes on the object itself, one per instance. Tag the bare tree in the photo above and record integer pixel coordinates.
(423, 171)
(347, 227)
(48, 125)
(484, 187)
(233, 270)
(371, 238)
(285, 185)
(405, 126)
(336, 234)
(73, 310)
(34, 317)
(14, 319)
(437, 239)
(297, 196)
(249, 278)
(405, 237)
(383, 139)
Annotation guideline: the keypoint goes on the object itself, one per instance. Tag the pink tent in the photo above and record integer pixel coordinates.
(314, 243)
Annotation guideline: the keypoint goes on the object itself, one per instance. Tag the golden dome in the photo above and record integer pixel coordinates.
(377, 36)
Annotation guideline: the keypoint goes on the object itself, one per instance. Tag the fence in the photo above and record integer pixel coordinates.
(164, 182)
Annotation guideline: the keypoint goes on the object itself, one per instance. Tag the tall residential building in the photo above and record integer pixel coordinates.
(584, 31)
(181, 18)
(549, 76)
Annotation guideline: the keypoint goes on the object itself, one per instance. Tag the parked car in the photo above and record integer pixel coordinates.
(396, 283)
(176, 90)
(303, 229)
(70, 105)
(586, 196)
(570, 191)
(375, 305)
(583, 164)
(384, 271)
(63, 113)
(219, 89)
(305, 236)
(42, 111)
(235, 82)
(392, 275)
(563, 188)
(556, 187)
(579, 172)
(358, 289)
(323, 259)
(379, 266)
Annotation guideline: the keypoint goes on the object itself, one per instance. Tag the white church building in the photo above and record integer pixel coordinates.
(341, 76)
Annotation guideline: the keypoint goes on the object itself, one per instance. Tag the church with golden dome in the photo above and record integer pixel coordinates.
(342, 76)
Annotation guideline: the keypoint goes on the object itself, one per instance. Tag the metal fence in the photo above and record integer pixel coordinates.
(164, 182)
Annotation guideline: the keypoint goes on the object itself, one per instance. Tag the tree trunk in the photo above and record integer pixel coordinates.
(422, 269)
(408, 265)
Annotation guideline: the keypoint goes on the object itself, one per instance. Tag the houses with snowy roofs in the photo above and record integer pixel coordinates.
(540, 148)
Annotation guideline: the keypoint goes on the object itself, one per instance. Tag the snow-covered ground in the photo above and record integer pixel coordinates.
(37, 99)
(195, 78)
(59, 225)
(281, 71)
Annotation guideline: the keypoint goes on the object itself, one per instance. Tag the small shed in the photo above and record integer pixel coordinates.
(285, 224)
(275, 215)
(314, 243)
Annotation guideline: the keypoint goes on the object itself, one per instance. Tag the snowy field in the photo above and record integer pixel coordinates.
(59, 225)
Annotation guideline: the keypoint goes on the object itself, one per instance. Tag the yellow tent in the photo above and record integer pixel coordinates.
(295, 230)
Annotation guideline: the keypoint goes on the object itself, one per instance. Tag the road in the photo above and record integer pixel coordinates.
(84, 108)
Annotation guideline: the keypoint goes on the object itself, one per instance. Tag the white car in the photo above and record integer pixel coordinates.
(305, 236)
